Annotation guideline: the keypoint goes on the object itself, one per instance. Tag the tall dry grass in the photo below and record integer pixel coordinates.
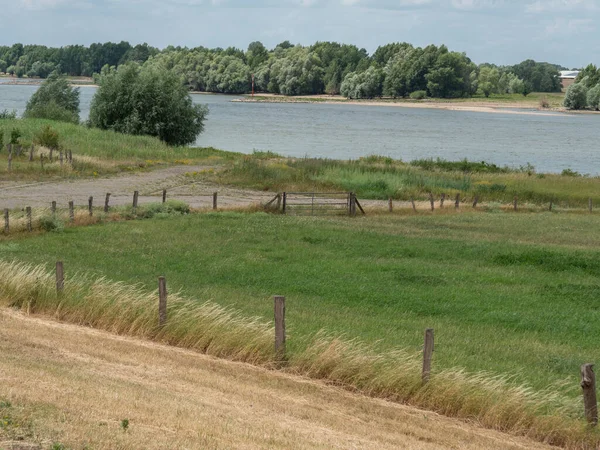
(491, 401)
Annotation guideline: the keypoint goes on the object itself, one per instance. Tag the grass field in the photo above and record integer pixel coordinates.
(95, 152)
(378, 177)
(506, 293)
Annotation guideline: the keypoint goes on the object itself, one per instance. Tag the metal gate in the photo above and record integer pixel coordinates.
(319, 203)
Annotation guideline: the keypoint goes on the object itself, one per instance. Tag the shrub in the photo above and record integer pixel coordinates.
(54, 100)
(576, 97)
(47, 137)
(418, 95)
(593, 98)
(544, 103)
(146, 101)
(171, 207)
(8, 115)
(570, 173)
(50, 223)
(15, 135)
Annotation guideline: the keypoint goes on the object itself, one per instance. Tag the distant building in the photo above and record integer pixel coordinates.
(567, 77)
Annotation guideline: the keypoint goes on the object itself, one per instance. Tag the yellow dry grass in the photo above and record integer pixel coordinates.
(74, 386)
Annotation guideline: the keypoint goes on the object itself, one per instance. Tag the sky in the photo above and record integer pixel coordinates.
(497, 31)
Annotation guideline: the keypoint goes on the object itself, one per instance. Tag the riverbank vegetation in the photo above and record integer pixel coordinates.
(378, 281)
(393, 70)
(585, 92)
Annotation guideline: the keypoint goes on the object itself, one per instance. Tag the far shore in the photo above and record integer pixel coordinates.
(491, 106)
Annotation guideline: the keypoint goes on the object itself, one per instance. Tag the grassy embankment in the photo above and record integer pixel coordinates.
(95, 152)
(376, 177)
(509, 294)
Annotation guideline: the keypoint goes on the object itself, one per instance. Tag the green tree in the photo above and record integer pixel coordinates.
(489, 80)
(55, 100)
(367, 84)
(146, 100)
(593, 98)
(576, 96)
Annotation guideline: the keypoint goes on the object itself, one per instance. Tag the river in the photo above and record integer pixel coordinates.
(550, 142)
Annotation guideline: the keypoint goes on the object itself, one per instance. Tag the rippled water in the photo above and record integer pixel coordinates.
(550, 142)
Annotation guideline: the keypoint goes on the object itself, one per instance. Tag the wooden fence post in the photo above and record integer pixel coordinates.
(28, 213)
(412, 201)
(427, 353)
(431, 201)
(60, 157)
(475, 201)
(278, 202)
(590, 204)
(457, 202)
(442, 200)
(60, 277)
(515, 201)
(588, 384)
(42, 160)
(550, 207)
(71, 157)
(91, 206)
(279, 307)
(6, 218)
(391, 205)
(162, 301)
(135, 200)
(51, 157)
(31, 153)
(215, 200)
(10, 160)
(53, 208)
(352, 204)
(106, 202)
(284, 202)
(71, 211)
(164, 196)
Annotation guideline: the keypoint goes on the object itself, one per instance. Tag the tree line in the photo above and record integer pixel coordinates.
(585, 92)
(394, 70)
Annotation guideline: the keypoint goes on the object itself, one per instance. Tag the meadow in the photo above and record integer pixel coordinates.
(506, 293)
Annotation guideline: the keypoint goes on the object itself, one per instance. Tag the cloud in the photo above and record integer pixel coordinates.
(549, 6)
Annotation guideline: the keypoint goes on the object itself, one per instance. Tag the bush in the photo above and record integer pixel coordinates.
(593, 98)
(8, 115)
(570, 173)
(171, 207)
(15, 135)
(146, 101)
(49, 223)
(47, 137)
(544, 103)
(54, 100)
(576, 97)
(418, 95)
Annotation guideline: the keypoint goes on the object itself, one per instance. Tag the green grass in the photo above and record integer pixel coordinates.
(97, 151)
(377, 177)
(506, 293)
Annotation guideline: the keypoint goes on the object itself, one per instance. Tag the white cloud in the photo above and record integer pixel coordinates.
(540, 6)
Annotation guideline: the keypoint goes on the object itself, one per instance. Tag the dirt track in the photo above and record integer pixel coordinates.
(75, 386)
(121, 187)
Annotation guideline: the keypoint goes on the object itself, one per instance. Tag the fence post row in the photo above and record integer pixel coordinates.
(60, 277)
(106, 202)
(588, 384)
(162, 301)
(28, 213)
(279, 310)
(427, 353)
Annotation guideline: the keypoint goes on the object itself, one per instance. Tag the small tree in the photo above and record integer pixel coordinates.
(576, 96)
(593, 98)
(54, 100)
(148, 100)
(488, 81)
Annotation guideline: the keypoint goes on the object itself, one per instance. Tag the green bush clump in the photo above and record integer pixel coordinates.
(15, 135)
(54, 100)
(47, 137)
(171, 207)
(50, 223)
(418, 95)
(570, 173)
(462, 166)
(8, 115)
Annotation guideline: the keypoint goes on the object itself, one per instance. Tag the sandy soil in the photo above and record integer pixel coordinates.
(482, 106)
(74, 386)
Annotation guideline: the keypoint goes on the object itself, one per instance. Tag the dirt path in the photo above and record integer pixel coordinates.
(75, 386)
(121, 187)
